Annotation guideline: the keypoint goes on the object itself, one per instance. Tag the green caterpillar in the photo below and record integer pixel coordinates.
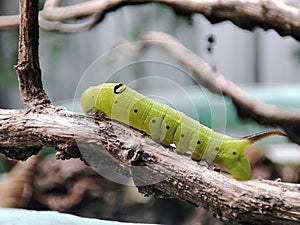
(170, 126)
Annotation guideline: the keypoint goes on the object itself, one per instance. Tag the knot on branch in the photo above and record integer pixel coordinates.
(24, 65)
(138, 157)
(30, 85)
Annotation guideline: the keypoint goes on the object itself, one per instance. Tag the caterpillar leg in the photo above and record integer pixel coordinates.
(100, 116)
(195, 156)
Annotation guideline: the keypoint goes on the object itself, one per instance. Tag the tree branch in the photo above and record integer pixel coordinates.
(8, 22)
(254, 201)
(281, 16)
(267, 14)
(264, 114)
(28, 67)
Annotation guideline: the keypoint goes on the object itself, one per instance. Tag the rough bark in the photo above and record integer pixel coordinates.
(28, 67)
(250, 202)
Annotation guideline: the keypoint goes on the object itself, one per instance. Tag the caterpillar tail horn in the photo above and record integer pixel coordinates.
(258, 136)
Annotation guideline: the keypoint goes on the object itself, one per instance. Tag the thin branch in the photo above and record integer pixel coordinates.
(28, 67)
(68, 28)
(288, 119)
(51, 3)
(247, 14)
(254, 201)
(267, 14)
(7, 22)
(281, 16)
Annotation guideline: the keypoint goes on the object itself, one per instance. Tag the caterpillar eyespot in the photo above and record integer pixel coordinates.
(119, 88)
(170, 126)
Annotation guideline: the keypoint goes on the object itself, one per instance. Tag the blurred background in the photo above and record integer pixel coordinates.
(264, 64)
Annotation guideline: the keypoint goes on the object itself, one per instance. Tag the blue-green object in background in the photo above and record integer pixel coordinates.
(29, 217)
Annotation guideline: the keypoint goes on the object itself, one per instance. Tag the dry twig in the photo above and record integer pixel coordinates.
(281, 16)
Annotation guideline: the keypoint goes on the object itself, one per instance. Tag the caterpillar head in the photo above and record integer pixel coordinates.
(99, 99)
(88, 99)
